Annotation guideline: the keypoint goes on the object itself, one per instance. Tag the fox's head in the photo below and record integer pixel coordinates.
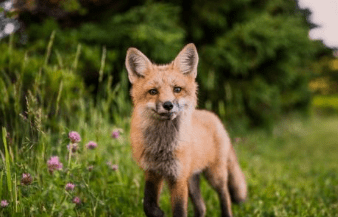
(163, 91)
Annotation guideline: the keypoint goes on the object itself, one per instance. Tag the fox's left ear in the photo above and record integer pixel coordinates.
(187, 60)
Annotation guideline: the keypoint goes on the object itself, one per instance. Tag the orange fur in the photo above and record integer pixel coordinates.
(179, 142)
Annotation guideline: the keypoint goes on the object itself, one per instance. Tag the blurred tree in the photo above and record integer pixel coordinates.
(255, 55)
(325, 79)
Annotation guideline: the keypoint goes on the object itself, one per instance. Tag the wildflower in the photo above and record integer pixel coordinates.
(73, 147)
(74, 137)
(90, 168)
(91, 145)
(26, 179)
(70, 187)
(4, 203)
(116, 133)
(76, 200)
(54, 164)
(114, 167)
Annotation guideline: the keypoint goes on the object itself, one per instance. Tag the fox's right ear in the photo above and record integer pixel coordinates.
(137, 64)
(187, 60)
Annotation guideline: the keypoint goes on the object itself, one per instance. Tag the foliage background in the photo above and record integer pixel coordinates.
(254, 54)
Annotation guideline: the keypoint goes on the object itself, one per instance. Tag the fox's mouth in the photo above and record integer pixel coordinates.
(164, 115)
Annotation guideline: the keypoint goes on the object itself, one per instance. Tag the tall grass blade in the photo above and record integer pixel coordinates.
(10, 51)
(24, 62)
(15, 193)
(78, 51)
(103, 62)
(49, 47)
(59, 58)
(1, 181)
(58, 98)
(7, 163)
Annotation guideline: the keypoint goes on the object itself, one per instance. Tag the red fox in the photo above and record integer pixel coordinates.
(173, 141)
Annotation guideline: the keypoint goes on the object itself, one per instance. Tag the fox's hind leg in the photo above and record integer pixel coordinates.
(152, 192)
(195, 195)
(237, 184)
(217, 175)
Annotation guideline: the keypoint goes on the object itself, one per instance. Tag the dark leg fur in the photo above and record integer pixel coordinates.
(195, 196)
(225, 201)
(179, 197)
(178, 209)
(218, 178)
(151, 196)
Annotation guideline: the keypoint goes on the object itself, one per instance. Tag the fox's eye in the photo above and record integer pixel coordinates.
(177, 89)
(153, 92)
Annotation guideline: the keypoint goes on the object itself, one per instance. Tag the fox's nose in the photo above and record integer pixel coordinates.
(168, 105)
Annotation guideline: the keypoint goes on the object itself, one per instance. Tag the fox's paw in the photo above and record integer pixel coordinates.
(155, 212)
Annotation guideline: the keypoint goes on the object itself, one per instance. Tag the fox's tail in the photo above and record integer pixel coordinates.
(236, 181)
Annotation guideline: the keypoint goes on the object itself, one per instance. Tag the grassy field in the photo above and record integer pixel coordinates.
(292, 173)
(326, 103)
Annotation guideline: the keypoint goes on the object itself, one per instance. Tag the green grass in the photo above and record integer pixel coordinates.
(293, 173)
(290, 173)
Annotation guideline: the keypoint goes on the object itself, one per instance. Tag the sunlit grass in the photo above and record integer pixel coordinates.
(329, 102)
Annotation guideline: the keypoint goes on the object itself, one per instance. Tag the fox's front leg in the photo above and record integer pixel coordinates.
(179, 197)
(152, 193)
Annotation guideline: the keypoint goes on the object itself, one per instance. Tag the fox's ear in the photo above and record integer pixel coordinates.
(137, 64)
(187, 60)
